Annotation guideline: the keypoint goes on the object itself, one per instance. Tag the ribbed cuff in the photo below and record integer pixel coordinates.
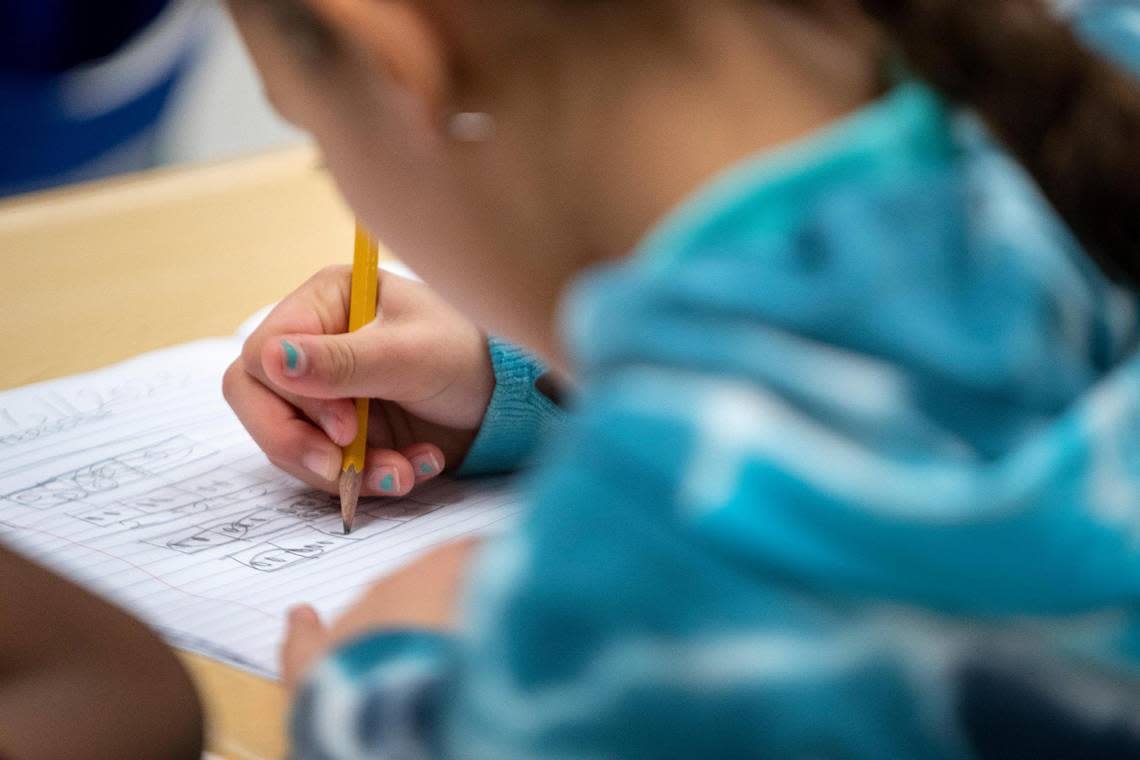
(516, 417)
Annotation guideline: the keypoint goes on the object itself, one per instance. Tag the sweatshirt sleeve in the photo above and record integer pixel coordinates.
(518, 416)
(375, 697)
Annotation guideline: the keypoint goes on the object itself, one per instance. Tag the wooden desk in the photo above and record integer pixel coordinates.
(97, 273)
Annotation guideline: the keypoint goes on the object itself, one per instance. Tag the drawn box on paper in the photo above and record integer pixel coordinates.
(128, 514)
(250, 525)
(286, 551)
(255, 524)
(112, 516)
(112, 473)
(192, 541)
(165, 499)
(79, 484)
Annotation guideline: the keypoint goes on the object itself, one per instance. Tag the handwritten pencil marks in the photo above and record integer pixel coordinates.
(138, 482)
(112, 473)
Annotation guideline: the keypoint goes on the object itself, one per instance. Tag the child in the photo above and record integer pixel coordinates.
(80, 680)
(853, 466)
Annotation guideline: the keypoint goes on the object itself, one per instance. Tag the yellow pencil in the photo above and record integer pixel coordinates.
(362, 311)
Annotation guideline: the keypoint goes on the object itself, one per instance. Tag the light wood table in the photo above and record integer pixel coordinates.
(98, 273)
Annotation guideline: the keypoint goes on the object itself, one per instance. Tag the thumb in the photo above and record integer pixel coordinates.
(364, 364)
(305, 640)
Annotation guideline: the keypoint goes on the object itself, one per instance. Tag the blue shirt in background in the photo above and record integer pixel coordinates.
(52, 36)
(82, 85)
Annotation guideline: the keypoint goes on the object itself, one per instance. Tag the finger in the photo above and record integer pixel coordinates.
(319, 306)
(274, 425)
(312, 481)
(427, 461)
(388, 473)
(336, 417)
(378, 361)
(306, 638)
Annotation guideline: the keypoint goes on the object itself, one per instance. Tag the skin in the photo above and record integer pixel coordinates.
(606, 117)
(425, 364)
(398, 601)
(81, 680)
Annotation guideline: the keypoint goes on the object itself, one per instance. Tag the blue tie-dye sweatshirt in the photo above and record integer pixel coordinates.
(853, 471)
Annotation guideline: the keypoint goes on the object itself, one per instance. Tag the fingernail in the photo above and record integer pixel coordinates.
(295, 363)
(322, 464)
(333, 427)
(386, 480)
(426, 465)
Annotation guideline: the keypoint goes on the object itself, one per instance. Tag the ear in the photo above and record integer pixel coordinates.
(398, 38)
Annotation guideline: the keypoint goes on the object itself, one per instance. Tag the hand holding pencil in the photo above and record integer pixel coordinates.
(425, 368)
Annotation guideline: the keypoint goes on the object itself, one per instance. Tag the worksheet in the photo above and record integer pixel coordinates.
(138, 482)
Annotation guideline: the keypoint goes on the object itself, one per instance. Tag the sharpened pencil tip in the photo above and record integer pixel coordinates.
(350, 483)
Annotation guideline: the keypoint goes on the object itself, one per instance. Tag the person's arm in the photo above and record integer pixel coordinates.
(605, 626)
(684, 590)
(81, 679)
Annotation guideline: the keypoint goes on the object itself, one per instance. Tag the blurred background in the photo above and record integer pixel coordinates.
(89, 90)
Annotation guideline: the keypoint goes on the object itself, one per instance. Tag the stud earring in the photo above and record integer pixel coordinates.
(471, 126)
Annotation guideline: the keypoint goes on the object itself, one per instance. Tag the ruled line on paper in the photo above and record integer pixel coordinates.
(138, 482)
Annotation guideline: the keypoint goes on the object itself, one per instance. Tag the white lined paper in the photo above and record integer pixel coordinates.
(138, 482)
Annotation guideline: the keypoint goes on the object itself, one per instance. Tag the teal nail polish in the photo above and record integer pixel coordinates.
(388, 484)
(292, 356)
(426, 465)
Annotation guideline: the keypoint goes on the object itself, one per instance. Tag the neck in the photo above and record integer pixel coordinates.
(681, 112)
(740, 94)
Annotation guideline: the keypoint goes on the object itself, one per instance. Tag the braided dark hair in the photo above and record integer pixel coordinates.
(1068, 115)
